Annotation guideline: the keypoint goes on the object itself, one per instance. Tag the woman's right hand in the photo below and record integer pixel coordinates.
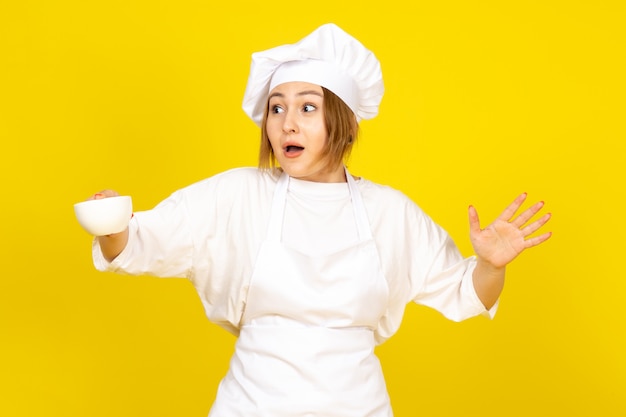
(111, 245)
(104, 194)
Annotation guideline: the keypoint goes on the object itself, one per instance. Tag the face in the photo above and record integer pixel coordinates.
(297, 132)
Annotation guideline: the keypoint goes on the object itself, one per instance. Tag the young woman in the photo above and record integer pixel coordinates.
(308, 265)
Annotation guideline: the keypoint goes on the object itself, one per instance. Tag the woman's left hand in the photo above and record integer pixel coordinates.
(508, 236)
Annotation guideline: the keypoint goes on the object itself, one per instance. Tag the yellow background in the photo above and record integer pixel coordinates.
(484, 100)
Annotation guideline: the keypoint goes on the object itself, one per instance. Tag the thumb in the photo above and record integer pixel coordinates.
(474, 222)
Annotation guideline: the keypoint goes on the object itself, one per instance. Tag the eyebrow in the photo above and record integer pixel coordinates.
(301, 93)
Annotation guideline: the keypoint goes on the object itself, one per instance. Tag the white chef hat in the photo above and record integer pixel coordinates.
(328, 57)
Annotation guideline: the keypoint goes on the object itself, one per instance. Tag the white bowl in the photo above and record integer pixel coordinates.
(104, 216)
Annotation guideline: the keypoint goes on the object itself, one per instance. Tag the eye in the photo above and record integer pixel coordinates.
(309, 108)
(276, 109)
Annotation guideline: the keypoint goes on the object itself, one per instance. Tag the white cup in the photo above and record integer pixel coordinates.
(104, 216)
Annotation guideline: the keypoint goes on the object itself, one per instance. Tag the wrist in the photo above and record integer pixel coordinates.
(488, 266)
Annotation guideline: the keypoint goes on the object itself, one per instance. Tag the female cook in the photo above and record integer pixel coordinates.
(308, 265)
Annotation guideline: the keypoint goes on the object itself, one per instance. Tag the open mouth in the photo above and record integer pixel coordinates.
(292, 149)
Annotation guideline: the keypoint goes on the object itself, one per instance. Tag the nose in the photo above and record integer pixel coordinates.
(290, 122)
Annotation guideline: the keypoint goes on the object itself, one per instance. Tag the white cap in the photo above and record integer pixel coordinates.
(328, 57)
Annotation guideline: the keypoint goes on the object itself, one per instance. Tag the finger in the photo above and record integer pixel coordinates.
(96, 196)
(509, 212)
(536, 225)
(527, 214)
(473, 220)
(103, 194)
(538, 240)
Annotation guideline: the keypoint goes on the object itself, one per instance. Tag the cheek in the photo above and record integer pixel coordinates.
(271, 133)
(275, 148)
(321, 137)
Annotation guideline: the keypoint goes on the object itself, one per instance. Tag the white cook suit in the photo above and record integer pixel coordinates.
(308, 309)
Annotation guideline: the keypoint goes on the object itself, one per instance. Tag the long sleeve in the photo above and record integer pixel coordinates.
(209, 233)
(160, 242)
(421, 262)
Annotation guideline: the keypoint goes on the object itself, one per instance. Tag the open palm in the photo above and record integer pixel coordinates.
(508, 236)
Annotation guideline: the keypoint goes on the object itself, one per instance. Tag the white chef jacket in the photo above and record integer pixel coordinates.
(210, 232)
